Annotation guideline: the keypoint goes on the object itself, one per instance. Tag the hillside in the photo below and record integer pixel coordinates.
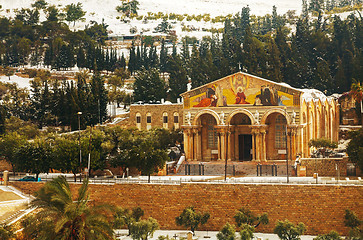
(117, 27)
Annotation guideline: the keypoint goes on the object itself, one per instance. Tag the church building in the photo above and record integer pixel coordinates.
(242, 117)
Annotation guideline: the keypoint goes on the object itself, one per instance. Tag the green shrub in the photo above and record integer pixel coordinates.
(227, 232)
(246, 232)
(329, 236)
(288, 231)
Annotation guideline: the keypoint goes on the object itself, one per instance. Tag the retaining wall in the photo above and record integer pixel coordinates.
(320, 207)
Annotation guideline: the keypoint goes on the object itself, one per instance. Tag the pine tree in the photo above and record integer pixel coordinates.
(305, 11)
(178, 78)
(148, 86)
(242, 24)
(98, 105)
(285, 56)
(185, 55)
(274, 61)
(195, 69)
(250, 46)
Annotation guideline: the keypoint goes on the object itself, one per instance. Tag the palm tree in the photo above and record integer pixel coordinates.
(6, 232)
(61, 217)
(356, 90)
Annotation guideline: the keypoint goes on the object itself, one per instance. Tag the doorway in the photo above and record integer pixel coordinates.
(245, 147)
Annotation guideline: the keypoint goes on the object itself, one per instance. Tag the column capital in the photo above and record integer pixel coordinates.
(293, 128)
(197, 130)
(258, 129)
(221, 128)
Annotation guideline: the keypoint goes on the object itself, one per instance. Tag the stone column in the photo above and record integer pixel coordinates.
(223, 145)
(263, 133)
(229, 143)
(198, 143)
(219, 146)
(253, 146)
(254, 132)
(194, 147)
(190, 144)
(258, 145)
(236, 145)
(186, 144)
(292, 131)
(222, 132)
(259, 142)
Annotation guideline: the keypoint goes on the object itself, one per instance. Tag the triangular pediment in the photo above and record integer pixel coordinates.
(242, 89)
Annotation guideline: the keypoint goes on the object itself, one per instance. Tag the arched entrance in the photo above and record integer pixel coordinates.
(276, 136)
(206, 143)
(241, 137)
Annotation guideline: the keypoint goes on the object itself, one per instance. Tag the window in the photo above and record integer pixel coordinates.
(176, 120)
(148, 121)
(212, 133)
(138, 121)
(165, 120)
(280, 132)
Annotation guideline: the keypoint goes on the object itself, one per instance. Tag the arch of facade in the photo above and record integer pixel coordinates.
(206, 111)
(311, 122)
(275, 110)
(304, 136)
(243, 111)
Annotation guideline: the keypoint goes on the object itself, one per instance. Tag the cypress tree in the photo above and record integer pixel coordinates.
(132, 59)
(2, 119)
(98, 105)
(123, 61)
(163, 57)
(81, 58)
(48, 56)
(138, 62)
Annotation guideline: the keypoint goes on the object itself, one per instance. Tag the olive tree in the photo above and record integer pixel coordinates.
(329, 236)
(352, 221)
(192, 218)
(141, 230)
(286, 230)
(245, 216)
(355, 148)
(227, 232)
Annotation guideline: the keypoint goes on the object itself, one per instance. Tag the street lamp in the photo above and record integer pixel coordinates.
(79, 145)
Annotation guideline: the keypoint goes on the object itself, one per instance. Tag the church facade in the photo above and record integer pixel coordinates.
(242, 117)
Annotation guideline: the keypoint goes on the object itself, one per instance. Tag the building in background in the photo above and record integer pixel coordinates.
(242, 117)
(146, 116)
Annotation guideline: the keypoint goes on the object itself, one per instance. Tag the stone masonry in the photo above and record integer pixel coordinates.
(320, 207)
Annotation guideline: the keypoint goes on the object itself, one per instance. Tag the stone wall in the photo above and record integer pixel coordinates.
(325, 167)
(320, 207)
(156, 112)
